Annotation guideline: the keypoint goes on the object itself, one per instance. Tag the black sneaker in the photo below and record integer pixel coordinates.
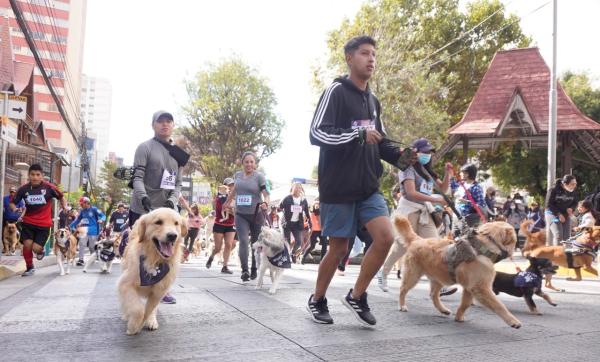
(399, 274)
(28, 272)
(40, 256)
(79, 262)
(253, 274)
(359, 308)
(318, 310)
(245, 276)
(225, 270)
(209, 262)
(448, 291)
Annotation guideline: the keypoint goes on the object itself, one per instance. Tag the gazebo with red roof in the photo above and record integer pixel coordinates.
(512, 104)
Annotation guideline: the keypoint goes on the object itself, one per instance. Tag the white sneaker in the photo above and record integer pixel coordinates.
(382, 281)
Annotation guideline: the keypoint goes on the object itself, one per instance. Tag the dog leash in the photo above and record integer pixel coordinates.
(470, 197)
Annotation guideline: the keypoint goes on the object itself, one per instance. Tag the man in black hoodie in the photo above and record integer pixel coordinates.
(348, 129)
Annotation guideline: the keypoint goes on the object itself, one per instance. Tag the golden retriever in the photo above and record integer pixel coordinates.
(428, 257)
(150, 265)
(10, 238)
(590, 237)
(532, 240)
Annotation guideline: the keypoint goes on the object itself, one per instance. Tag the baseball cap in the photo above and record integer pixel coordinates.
(228, 181)
(423, 145)
(161, 114)
(13, 189)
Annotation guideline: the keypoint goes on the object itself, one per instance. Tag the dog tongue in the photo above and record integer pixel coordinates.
(166, 249)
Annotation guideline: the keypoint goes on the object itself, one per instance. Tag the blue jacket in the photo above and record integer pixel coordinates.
(89, 217)
(10, 215)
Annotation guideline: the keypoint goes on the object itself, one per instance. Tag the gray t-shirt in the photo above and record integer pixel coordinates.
(247, 191)
(421, 185)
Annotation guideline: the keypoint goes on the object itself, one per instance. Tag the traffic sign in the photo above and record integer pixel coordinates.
(9, 131)
(17, 107)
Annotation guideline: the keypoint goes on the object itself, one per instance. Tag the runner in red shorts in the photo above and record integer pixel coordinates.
(37, 220)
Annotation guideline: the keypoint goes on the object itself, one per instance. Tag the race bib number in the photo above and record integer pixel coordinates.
(36, 200)
(84, 222)
(426, 188)
(363, 123)
(119, 221)
(168, 180)
(297, 209)
(243, 200)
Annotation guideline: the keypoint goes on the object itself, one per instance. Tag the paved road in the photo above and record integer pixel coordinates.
(216, 318)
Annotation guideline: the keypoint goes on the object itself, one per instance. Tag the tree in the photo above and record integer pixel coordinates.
(111, 190)
(586, 97)
(230, 110)
(431, 58)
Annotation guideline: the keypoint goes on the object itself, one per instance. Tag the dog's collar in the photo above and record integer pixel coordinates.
(154, 276)
(482, 249)
(281, 259)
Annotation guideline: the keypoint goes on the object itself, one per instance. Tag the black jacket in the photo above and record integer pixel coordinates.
(286, 206)
(560, 200)
(348, 171)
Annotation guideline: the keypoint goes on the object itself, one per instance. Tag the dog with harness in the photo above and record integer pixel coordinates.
(104, 253)
(271, 253)
(65, 249)
(574, 254)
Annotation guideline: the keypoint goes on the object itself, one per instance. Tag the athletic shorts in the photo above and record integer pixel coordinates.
(343, 220)
(222, 229)
(38, 234)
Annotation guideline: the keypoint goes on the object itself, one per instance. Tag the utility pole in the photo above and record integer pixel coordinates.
(552, 133)
(3, 160)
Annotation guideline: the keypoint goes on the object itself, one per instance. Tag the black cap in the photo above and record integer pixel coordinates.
(423, 145)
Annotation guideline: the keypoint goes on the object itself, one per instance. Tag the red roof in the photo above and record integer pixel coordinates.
(523, 70)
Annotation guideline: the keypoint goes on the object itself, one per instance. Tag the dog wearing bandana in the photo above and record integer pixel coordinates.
(272, 253)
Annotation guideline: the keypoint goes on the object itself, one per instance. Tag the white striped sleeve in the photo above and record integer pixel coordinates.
(323, 130)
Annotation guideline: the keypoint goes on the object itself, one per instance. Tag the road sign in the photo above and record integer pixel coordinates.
(9, 131)
(17, 107)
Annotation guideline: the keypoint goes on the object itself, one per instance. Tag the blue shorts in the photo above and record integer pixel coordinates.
(343, 220)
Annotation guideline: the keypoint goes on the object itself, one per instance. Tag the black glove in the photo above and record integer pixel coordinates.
(169, 204)
(146, 203)
(407, 158)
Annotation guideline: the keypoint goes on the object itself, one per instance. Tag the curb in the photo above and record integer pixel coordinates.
(561, 272)
(13, 265)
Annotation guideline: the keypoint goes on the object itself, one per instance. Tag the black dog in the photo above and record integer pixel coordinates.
(526, 284)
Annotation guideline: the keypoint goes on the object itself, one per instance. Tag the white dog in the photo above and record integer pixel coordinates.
(273, 254)
(104, 253)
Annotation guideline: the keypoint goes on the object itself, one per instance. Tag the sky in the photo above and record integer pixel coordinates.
(148, 51)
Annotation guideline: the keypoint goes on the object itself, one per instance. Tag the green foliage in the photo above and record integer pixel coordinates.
(586, 97)
(110, 189)
(73, 197)
(230, 110)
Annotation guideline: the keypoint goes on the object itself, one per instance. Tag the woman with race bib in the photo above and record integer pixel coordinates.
(249, 190)
(416, 186)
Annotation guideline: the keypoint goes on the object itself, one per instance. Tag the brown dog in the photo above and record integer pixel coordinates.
(10, 238)
(427, 257)
(590, 236)
(533, 240)
(150, 266)
(65, 249)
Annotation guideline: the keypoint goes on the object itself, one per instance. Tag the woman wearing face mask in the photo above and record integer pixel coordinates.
(535, 215)
(515, 216)
(416, 186)
(490, 202)
(559, 209)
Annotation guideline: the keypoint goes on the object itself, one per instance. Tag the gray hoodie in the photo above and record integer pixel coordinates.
(156, 175)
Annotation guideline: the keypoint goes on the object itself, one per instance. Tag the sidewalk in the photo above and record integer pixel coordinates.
(12, 265)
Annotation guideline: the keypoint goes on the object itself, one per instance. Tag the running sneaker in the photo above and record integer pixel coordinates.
(253, 274)
(40, 256)
(168, 299)
(382, 281)
(80, 262)
(28, 272)
(225, 270)
(318, 310)
(360, 308)
(245, 276)
(448, 291)
(340, 272)
(399, 274)
(209, 262)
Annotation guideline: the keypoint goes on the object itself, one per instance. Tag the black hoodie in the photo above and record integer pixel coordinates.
(560, 200)
(348, 171)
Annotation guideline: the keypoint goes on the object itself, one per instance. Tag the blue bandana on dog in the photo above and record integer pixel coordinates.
(527, 279)
(281, 259)
(155, 275)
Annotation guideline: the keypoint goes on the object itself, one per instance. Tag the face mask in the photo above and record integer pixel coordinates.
(424, 158)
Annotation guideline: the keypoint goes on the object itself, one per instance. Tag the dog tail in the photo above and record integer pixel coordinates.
(525, 228)
(404, 229)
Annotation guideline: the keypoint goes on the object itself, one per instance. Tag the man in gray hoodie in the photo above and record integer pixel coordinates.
(157, 173)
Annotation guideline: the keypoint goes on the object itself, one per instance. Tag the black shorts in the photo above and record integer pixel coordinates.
(222, 229)
(38, 234)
